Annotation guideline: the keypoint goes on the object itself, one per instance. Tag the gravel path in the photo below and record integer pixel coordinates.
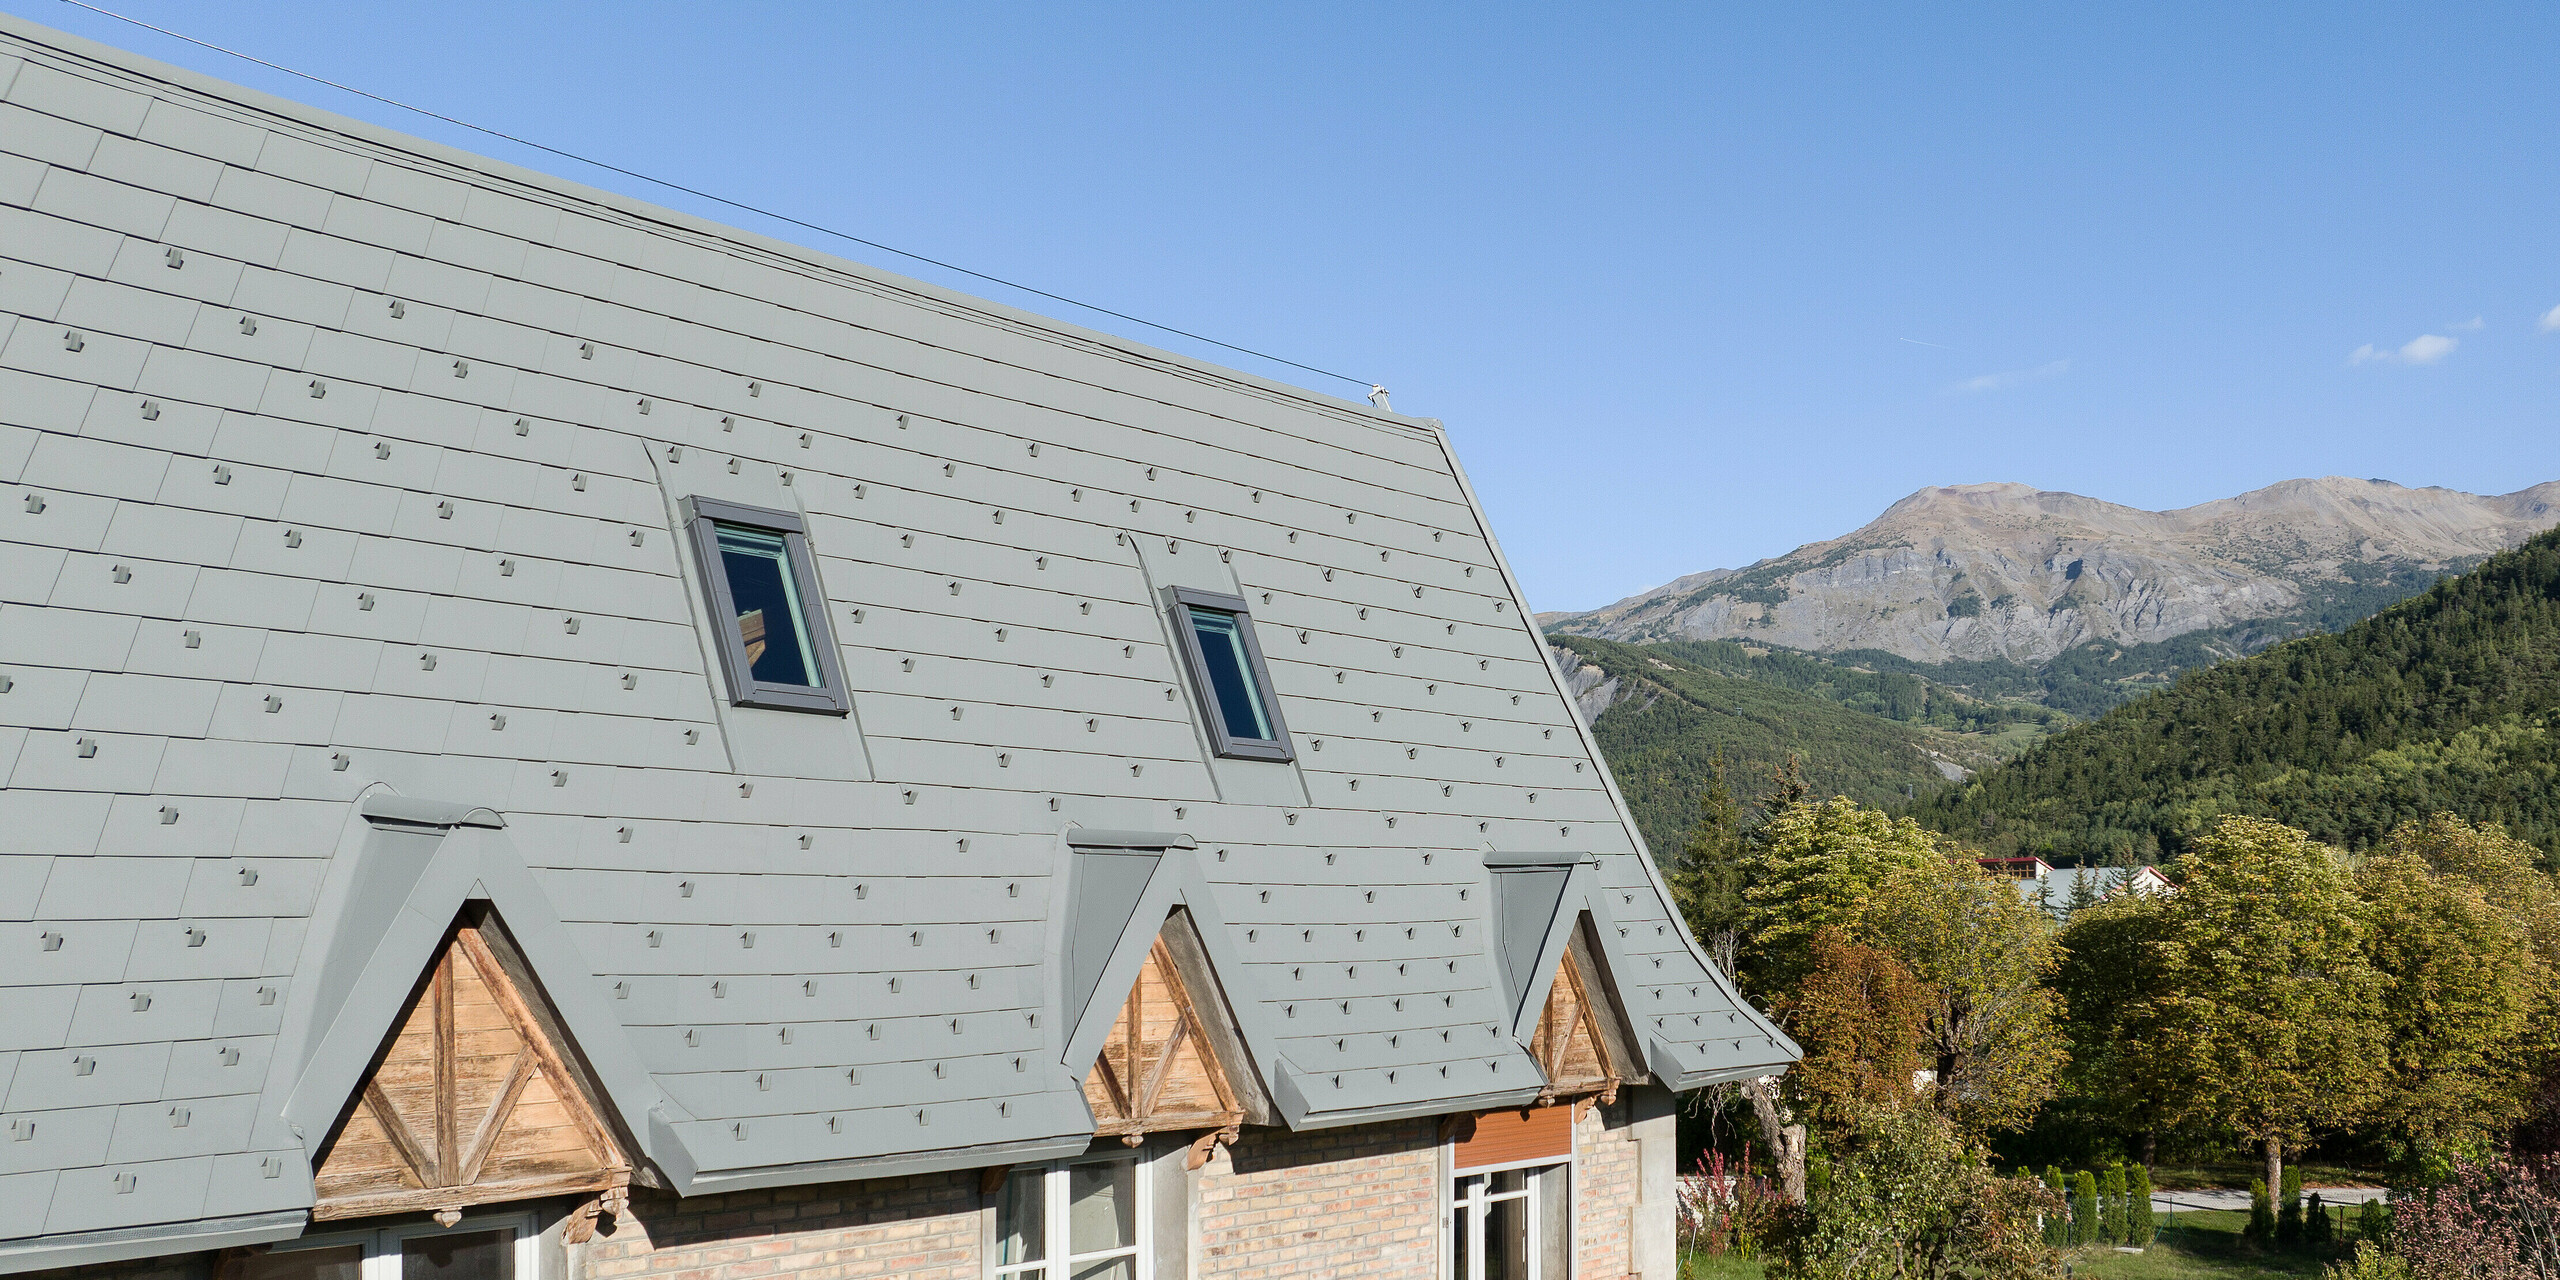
(2226, 1198)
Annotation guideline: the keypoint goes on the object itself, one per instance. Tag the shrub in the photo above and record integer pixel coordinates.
(2057, 1224)
(2493, 1220)
(2262, 1215)
(2369, 1264)
(1901, 1195)
(2084, 1208)
(2373, 1223)
(2138, 1206)
(2112, 1227)
(2289, 1209)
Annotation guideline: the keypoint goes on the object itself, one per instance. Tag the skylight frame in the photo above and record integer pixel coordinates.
(703, 518)
(1179, 602)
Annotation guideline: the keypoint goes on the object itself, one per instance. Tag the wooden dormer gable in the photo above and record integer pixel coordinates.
(470, 1102)
(1569, 1044)
(1159, 1068)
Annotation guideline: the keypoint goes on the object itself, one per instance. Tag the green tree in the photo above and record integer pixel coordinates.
(2108, 978)
(1982, 955)
(2262, 1215)
(1815, 865)
(2467, 999)
(2289, 1209)
(2266, 1021)
(2138, 1213)
(2084, 1208)
(2113, 1224)
(1706, 879)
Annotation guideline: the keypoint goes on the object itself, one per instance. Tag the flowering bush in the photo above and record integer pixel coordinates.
(1724, 1207)
(2494, 1219)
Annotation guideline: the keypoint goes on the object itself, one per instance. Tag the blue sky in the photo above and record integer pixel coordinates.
(1691, 285)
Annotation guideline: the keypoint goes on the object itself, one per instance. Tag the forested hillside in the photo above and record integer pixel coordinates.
(1670, 717)
(2443, 702)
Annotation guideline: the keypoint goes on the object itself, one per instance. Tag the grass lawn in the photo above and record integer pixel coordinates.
(2192, 1246)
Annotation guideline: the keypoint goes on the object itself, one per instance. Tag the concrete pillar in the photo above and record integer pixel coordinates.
(1653, 1235)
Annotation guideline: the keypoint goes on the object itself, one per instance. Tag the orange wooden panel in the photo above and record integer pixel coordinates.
(1508, 1137)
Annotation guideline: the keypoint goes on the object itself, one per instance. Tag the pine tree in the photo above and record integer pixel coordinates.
(2057, 1229)
(2289, 1209)
(2112, 1227)
(2138, 1206)
(2084, 1208)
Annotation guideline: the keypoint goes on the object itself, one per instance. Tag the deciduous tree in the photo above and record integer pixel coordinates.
(2266, 1016)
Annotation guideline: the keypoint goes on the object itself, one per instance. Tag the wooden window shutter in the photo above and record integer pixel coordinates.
(1511, 1137)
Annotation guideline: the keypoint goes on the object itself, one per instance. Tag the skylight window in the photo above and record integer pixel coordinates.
(1227, 672)
(766, 608)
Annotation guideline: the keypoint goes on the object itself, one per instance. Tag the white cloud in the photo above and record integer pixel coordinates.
(2472, 325)
(2551, 320)
(2426, 348)
(2012, 377)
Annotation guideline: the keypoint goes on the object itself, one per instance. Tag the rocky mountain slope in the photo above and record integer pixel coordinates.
(2010, 572)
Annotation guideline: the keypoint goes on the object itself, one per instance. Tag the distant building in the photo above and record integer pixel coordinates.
(545, 737)
(2058, 888)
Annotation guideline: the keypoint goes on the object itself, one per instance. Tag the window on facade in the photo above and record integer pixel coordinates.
(775, 646)
(1227, 672)
(1081, 1220)
(475, 1249)
(1512, 1224)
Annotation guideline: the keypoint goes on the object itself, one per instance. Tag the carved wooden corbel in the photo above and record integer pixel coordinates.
(1207, 1144)
(612, 1202)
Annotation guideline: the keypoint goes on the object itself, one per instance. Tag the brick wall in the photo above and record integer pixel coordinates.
(1342, 1204)
(1357, 1202)
(1606, 1185)
(924, 1227)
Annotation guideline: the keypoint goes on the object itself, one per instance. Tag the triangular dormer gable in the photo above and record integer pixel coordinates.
(470, 1101)
(1160, 1069)
(1572, 1042)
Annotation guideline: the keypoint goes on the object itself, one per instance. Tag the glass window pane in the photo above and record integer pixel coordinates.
(1506, 1244)
(1022, 1219)
(1120, 1268)
(765, 594)
(1509, 1182)
(1102, 1206)
(1464, 1239)
(1231, 673)
(1555, 1223)
(468, 1255)
(339, 1262)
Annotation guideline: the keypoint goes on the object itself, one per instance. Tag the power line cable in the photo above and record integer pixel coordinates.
(718, 199)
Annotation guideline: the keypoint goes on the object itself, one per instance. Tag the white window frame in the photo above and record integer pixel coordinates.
(1541, 1168)
(382, 1244)
(1056, 1263)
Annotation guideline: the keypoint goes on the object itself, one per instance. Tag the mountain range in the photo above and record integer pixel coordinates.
(2010, 574)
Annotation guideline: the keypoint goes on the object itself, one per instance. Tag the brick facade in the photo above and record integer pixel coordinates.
(923, 1227)
(1606, 1184)
(1355, 1202)
(1358, 1203)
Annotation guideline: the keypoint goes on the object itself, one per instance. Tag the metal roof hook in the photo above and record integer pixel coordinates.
(1378, 396)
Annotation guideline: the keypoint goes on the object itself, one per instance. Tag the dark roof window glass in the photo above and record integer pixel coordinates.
(765, 600)
(1228, 675)
(767, 609)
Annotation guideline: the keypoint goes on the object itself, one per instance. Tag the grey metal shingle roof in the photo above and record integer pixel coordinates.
(340, 585)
